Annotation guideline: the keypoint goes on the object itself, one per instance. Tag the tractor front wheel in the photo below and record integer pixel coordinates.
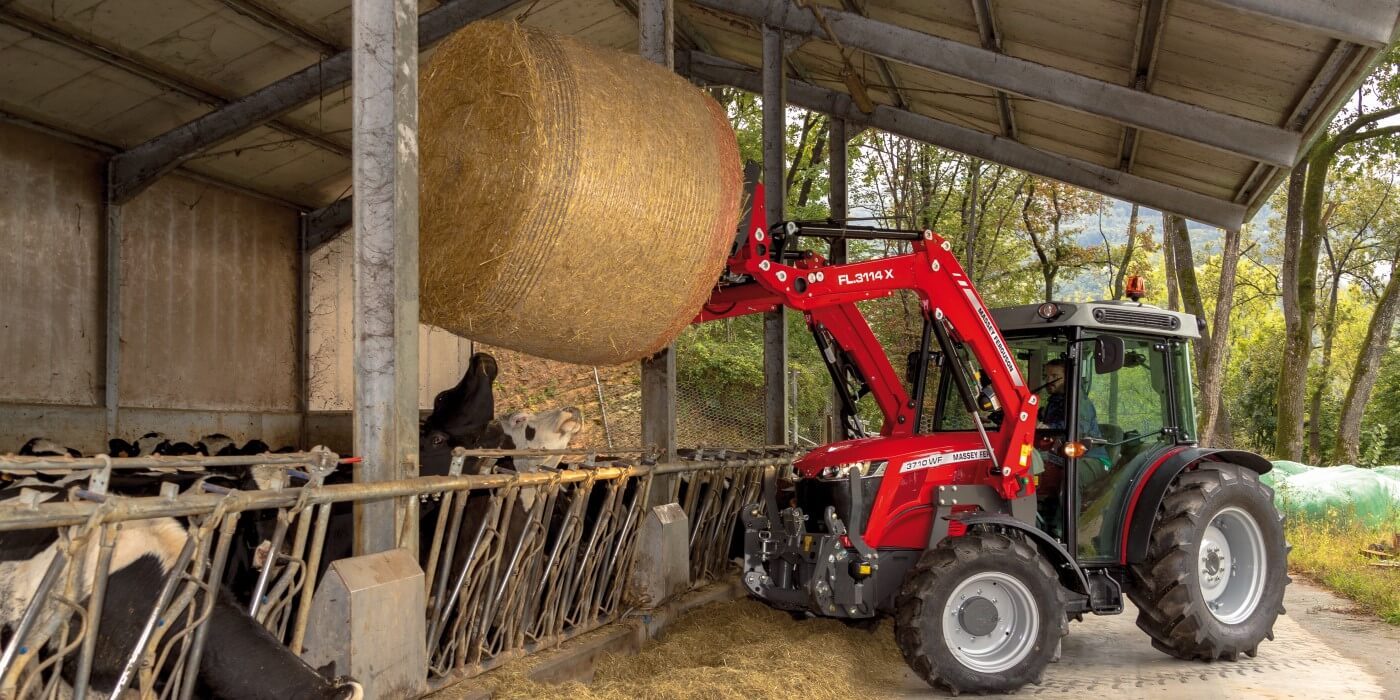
(981, 613)
(1212, 584)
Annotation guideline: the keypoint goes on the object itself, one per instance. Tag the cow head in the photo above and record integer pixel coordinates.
(460, 417)
(463, 411)
(549, 430)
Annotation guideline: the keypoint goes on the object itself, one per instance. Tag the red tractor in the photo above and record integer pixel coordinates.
(980, 516)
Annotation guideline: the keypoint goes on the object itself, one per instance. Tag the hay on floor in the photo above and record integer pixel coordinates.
(738, 650)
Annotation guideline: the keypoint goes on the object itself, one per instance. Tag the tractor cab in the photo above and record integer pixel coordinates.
(1123, 371)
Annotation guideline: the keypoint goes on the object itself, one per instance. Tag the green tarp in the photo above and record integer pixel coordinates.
(1371, 495)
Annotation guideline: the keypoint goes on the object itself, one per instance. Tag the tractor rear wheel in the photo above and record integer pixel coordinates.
(981, 613)
(1212, 584)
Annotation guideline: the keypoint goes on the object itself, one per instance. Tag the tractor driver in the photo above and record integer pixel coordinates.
(1093, 466)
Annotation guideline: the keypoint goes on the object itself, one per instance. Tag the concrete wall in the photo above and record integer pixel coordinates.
(209, 300)
(209, 305)
(51, 269)
(442, 357)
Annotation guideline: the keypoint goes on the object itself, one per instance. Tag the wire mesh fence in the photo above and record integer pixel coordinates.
(719, 388)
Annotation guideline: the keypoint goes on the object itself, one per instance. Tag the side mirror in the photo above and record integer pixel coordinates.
(1108, 354)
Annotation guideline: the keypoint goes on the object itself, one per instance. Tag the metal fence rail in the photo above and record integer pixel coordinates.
(513, 563)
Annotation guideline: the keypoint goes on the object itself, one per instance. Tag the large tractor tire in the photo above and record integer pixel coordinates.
(981, 613)
(1212, 584)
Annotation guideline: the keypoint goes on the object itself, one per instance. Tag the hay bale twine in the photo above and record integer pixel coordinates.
(577, 203)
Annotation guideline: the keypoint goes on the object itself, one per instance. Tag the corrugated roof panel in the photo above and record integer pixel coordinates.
(35, 66)
(1187, 183)
(331, 116)
(130, 24)
(150, 118)
(1248, 25)
(572, 17)
(260, 66)
(950, 19)
(1165, 153)
(1053, 144)
(942, 94)
(1202, 64)
(93, 98)
(1084, 132)
(1072, 33)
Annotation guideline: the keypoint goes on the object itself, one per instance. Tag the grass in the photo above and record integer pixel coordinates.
(1328, 551)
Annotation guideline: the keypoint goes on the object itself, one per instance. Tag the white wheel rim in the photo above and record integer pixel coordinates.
(984, 641)
(1231, 565)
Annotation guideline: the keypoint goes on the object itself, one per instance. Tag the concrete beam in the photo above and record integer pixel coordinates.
(1227, 133)
(385, 57)
(775, 338)
(1367, 22)
(1090, 176)
(138, 167)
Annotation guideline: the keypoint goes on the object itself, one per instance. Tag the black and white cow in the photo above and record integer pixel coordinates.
(461, 417)
(240, 660)
(44, 447)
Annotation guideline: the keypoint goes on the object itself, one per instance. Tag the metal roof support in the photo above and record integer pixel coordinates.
(991, 40)
(775, 339)
(1149, 34)
(1079, 173)
(386, 264)
(657, 37)
(327, 223)
(837, 169)
(1367, 22)
(1119, 103)
(137, 168)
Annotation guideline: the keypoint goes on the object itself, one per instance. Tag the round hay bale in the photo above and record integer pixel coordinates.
(576, 203)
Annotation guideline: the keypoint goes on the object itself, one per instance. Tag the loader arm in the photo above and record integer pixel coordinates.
(758, 280)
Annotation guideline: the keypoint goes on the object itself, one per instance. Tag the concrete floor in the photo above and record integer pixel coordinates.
(1323, 648)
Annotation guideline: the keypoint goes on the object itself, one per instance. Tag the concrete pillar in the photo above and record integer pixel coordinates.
(656, 32)
(112, 306)
(385, 88)
(775, 339)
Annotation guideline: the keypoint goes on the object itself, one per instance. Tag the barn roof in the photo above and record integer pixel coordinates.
(1192, 106)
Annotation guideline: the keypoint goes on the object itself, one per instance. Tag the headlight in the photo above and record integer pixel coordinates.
(843, 471)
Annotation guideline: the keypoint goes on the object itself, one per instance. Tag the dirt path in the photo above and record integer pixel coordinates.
(1342, 625)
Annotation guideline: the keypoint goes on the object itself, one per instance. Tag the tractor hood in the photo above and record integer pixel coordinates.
(939, 449)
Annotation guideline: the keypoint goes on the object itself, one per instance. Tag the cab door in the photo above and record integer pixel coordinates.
(1127, 416)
